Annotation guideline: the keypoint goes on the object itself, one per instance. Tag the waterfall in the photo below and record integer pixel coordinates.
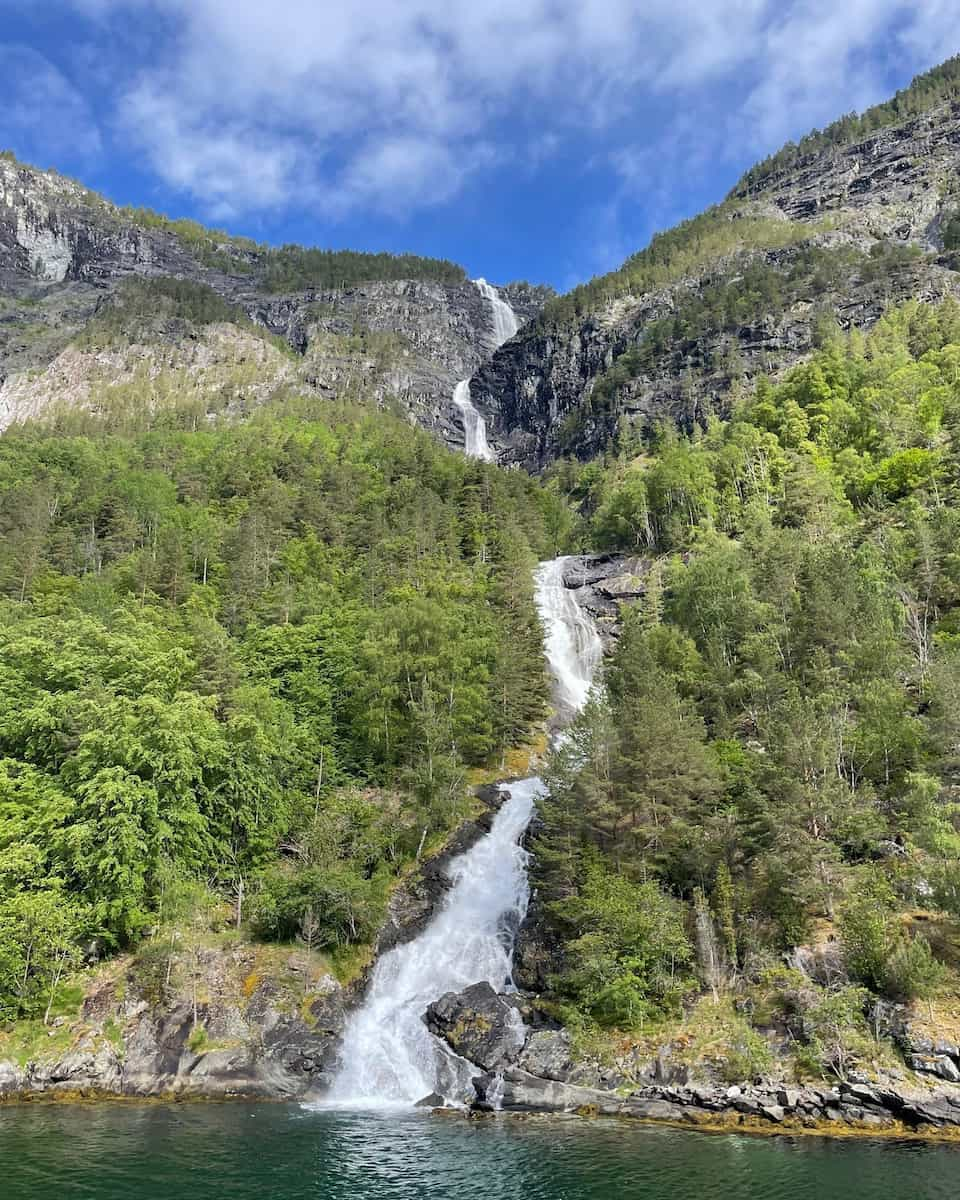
(388, 1055)
(573, 645)
(505, 325)
(474, 426)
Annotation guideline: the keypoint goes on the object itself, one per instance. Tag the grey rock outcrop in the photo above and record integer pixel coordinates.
(531, 1066)
(249, 1042)
(64, 251)
(860, 208)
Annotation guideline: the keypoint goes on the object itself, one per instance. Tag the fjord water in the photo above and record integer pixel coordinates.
(505, 325)
(388, 1056)
(278, 1152)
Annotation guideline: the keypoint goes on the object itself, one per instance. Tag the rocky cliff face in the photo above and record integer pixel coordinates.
(64, 251)
(839, 236)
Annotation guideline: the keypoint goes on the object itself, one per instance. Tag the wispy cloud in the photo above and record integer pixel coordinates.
(379, 103)
(42, 112)
(387, 107)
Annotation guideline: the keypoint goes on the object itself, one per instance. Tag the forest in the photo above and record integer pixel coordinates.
(257, 658)
(775, 753)
(291, 268)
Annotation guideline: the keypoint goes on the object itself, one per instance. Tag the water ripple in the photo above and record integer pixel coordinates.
(239, 1151)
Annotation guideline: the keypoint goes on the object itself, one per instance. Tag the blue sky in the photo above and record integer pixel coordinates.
(537, 139)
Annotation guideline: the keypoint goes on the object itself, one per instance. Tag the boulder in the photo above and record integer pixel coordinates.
(12, 1079)
(92, 1065)
(934, 1111)
(479, 1025)
(547, 1054)
(861, 1093)
(653, 1110)
(935, 1064)
(519, 1091)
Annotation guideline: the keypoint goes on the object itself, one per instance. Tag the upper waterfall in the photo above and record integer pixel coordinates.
(388, 1055)
(505, 325)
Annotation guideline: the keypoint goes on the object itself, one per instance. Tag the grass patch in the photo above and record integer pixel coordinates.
(199, 1040)
(32, 1041)
(113, 1033)
(348, 963)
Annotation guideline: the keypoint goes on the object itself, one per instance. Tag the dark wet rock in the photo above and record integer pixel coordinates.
(433, 1100)
(479, 1025)
(538, 952)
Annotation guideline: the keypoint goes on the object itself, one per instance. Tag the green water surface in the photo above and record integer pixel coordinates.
(276, 1152)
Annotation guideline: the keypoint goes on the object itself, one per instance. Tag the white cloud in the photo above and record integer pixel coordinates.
(396, 104)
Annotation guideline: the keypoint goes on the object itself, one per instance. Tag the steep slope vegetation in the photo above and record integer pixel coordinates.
(262, 657)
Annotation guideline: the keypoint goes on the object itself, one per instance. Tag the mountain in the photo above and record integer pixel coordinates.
(87, 306)
(828, 232)
(254, 674)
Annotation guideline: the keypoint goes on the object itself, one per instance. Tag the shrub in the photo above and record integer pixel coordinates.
(632, 959)
(323, 907)
(152, 969)
(912, 972)
(951, 231)
(748, 1057)
(835, 1029)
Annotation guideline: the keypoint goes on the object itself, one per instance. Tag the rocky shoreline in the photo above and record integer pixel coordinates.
(527, 1066)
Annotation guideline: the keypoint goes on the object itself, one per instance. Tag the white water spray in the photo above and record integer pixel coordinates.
(388, 1055)
(474, 426)
(505, 325)
(573, 645)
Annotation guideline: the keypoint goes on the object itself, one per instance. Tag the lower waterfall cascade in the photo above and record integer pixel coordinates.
(505, 325)
(474, 426)
(388, 1056)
